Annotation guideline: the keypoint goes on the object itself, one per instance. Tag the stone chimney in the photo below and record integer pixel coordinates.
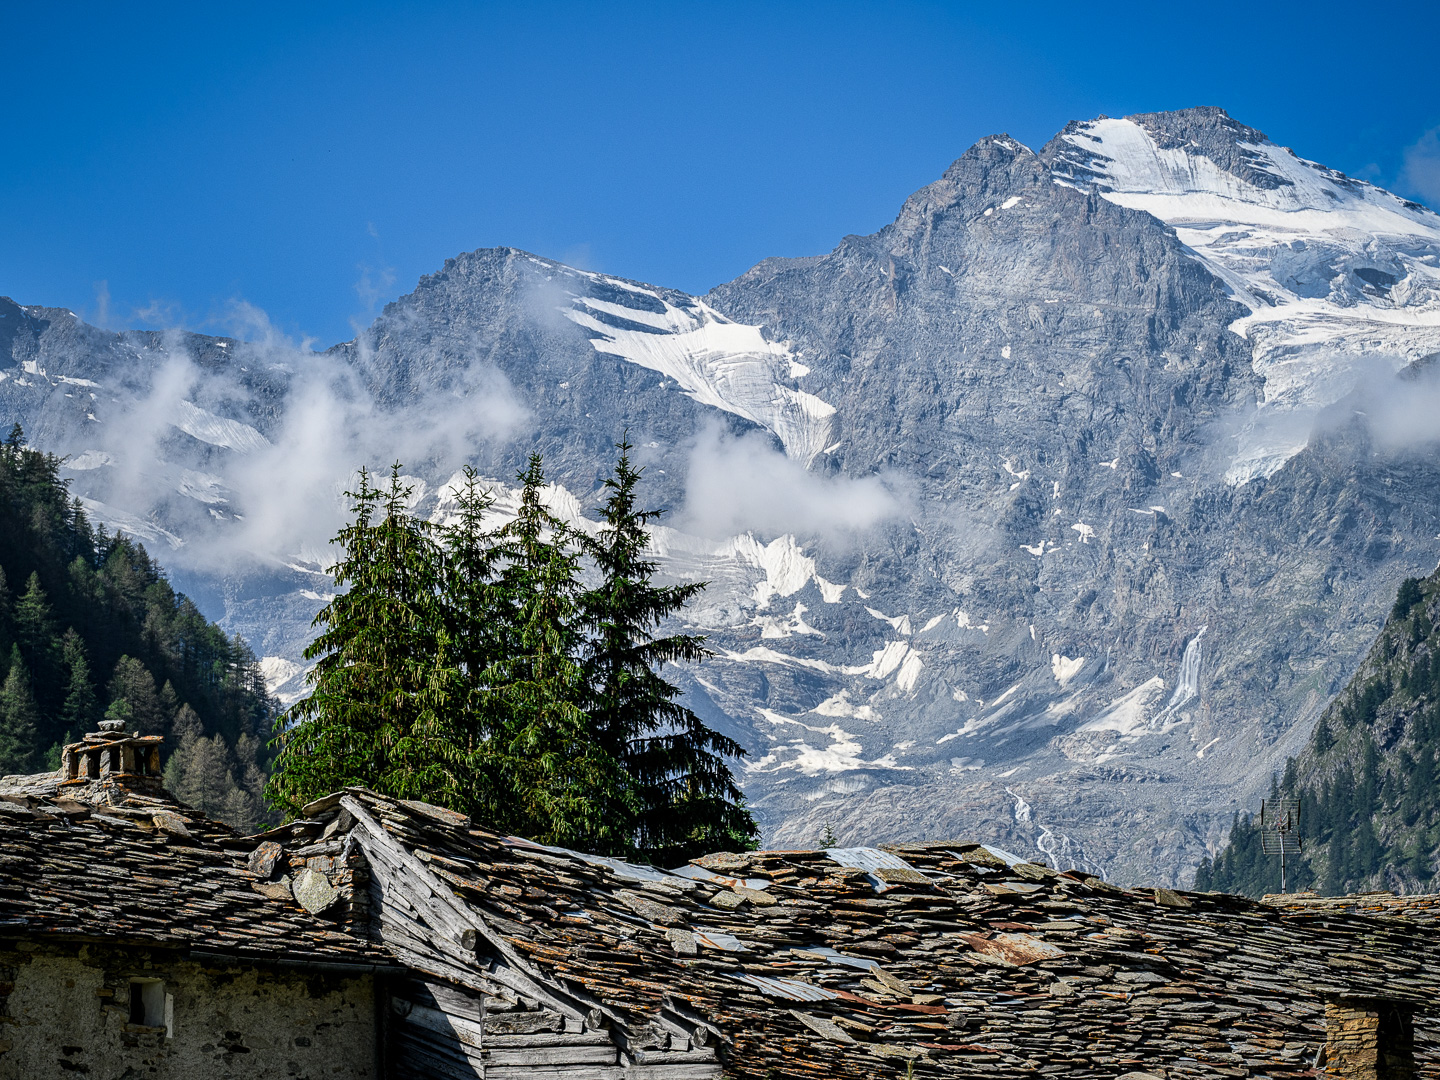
(1369, 1039)
(110, 758)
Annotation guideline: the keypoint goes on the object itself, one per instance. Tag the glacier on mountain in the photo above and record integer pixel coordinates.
(1341, 278)
(716, 361)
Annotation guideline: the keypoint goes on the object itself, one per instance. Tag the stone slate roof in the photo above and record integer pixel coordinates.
(142, 868)
(1422, 908)
(934, 960)
(937, 958)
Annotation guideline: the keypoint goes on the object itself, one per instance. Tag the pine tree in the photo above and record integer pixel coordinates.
(7, 630)
(680, 798)
(133, 686)
(34, 622)
(19, 718)
(167, 702)
(365, 720)
(81, 709)
(1406, 597)
(472, 639)
(39, 643)
(560, 780)
(202, 772)
(1203, 875)
(195, 771)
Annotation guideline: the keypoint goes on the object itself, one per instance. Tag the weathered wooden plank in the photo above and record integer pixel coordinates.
(422, 1059)
(670, 1072)
(671, 1057)
(430, 964)
(450, 1028)
(552, 1055)
(378, 844)
(534, 1022)
(544, 1038)
(452, 999)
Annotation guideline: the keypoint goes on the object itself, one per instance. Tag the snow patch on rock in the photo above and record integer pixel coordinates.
(1065, 669)
(218, 431)
(724, 364)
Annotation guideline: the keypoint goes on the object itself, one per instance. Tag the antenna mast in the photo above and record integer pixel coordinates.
(1280, 830)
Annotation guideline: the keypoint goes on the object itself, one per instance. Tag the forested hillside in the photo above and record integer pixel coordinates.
(89, 628)
(1369, 806)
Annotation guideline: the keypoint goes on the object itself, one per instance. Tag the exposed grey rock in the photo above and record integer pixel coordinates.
(264, 858)
(313, 892)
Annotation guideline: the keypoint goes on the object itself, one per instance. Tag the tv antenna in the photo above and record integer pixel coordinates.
(1280, 830)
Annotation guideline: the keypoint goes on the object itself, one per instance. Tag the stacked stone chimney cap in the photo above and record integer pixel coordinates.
(112, 755)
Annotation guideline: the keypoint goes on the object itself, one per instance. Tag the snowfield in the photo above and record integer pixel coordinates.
(1342, 278)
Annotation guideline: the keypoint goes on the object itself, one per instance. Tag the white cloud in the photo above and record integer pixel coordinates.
(280, 495)
(740, 484)
(1421, 172)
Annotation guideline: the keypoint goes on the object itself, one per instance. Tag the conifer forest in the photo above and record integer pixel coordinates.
(90, 628)
(1365, 784)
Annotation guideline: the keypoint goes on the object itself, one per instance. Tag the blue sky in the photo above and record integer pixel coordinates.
(162, 164)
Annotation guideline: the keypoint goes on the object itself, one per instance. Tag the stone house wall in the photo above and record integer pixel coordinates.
(1369, 1039)
(68, 1013)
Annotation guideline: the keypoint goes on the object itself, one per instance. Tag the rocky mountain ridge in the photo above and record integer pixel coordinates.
(1053, 513)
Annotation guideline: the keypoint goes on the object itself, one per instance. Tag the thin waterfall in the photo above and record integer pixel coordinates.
(1188, 688)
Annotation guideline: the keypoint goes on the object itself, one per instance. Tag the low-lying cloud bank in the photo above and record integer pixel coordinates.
(738, 484)
(249, 459)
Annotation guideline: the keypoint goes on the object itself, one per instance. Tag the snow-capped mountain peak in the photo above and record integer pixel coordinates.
(1341, 278)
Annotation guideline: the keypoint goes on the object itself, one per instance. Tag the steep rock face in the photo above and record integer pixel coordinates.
(501, 327)
(1063, 372)
(1073, 516)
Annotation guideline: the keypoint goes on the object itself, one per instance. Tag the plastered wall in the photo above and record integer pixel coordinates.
(67, 1013)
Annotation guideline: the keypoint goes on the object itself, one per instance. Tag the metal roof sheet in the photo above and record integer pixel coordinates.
(869, 859)
(619, 867)
(1001, 853)
(718, 940)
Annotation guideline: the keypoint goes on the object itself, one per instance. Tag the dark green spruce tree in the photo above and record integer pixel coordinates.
(39, 642)
(7, 637)
(475, 669)
(81, 709)
(680, 798)
(364, 721)
(133, 698)
(561, 782)
(19, 718)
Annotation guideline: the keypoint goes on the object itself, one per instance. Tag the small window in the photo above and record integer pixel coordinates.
(150, 1005)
